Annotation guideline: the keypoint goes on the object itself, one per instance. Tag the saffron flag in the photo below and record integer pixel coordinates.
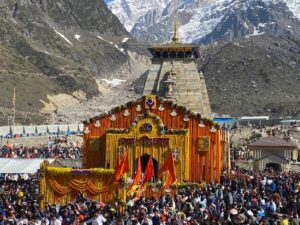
(125, 164)
(117, 170)
(170, 167)
(148, 172)
(138, 175)
(121, 168)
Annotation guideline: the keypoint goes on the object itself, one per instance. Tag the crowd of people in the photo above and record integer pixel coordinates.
(56, 148)
(253, 199)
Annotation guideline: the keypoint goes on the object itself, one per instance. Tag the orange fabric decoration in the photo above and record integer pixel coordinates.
(170, 167)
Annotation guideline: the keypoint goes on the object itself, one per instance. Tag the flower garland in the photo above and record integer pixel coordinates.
(76, 172)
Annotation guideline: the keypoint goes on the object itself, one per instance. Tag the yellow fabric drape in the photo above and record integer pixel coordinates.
(80, 184)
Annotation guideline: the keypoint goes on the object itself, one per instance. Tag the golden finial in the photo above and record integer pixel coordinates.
(175, 38)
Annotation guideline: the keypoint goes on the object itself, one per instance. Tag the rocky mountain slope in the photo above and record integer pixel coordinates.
(208, 21)
(55, 54)
(259, 75)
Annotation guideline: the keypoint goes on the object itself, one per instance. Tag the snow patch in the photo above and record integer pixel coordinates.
(255, 33)
(204, 20)
(294, 6)
(101, 38)
(125, 40)
(114, 82)
(64, 37)
(77, 36)
(120, 49)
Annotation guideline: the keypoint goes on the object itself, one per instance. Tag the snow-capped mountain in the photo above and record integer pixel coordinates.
(129, 11)
(205, 21)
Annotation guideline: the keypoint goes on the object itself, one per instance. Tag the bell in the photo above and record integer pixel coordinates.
(173, 113)
(186, 118)
(201, 124)
(161, 108)
(138, 108)
(97, 123)
(113, 117)
(87, 130)
(126, 112)
(213, 129)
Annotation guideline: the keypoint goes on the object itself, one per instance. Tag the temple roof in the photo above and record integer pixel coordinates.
(160, 100)
(271, 141)
(173, 45)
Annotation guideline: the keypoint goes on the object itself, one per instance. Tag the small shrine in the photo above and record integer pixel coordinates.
(170, 85)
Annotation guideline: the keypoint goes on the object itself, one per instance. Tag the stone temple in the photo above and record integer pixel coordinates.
(174, 75)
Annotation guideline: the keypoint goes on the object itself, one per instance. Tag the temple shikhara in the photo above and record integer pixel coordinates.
(174, 75)
(165, 137)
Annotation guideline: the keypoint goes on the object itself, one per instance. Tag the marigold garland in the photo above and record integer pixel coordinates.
(54, 171)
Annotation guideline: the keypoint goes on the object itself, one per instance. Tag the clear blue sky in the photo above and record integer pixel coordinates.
(107, 1)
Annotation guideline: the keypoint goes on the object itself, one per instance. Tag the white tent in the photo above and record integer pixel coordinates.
(4, 131)
(53, 128)
(41, 129)
(29, 129)
(17, 129)
(21, 165)
(81, 127)
(73, 127)
(63, 128)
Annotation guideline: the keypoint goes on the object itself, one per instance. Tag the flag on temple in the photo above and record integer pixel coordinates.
(170, 167)
(125, 164)
(121, 168)
(138, 175)
(148, 172)
(117, 170)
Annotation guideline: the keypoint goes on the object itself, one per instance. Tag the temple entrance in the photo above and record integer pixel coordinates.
(144, 161)
(273, 166)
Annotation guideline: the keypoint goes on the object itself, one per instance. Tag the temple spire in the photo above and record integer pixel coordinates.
(175, 38)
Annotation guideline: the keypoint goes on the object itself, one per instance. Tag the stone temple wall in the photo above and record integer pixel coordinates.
(190, 84)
